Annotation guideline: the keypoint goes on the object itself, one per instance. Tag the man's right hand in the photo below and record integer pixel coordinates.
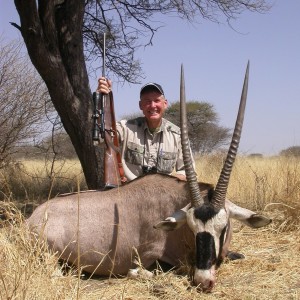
(104, 85)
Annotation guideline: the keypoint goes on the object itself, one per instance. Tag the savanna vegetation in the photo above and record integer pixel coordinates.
(270, 270)
(68, 36)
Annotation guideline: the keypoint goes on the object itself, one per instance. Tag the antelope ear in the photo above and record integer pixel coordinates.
(169, 224)
(246, 216)
(257, 221)
(173, 222)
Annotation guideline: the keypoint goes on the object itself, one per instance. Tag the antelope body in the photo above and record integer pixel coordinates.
(103, 230)
(110, 225)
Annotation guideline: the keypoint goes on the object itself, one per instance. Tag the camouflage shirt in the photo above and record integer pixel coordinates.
(142, 149)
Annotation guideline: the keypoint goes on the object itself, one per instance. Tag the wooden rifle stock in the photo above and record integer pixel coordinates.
(105, 124)
(112, 157)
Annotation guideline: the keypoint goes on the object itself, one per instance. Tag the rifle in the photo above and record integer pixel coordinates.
(105, 126)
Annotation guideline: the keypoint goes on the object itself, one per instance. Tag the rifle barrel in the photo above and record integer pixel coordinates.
(104, 54)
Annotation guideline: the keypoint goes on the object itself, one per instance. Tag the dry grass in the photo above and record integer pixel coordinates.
(36, 180)
(270, 270)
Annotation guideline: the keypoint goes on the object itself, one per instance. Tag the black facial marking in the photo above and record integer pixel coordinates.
(222, 238)
(205, 251)
(205, 212)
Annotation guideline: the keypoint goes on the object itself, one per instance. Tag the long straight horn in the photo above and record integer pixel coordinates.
(219, 196)
(191, 177)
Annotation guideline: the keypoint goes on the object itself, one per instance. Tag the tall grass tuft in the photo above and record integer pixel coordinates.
(37, 180)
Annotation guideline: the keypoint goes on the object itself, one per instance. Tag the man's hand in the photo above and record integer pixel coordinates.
(180, 176)
(104, 85)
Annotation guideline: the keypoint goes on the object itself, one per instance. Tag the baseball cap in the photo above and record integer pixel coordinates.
(150, 87)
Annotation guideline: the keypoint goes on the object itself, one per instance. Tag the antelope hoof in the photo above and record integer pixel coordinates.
(231, 255)
(139, 273)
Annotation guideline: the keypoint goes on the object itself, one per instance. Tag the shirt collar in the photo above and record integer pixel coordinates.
(161, 128)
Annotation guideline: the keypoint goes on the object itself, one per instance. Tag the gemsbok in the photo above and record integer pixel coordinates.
(102, 231)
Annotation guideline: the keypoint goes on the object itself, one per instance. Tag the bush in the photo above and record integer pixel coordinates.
(291, 151)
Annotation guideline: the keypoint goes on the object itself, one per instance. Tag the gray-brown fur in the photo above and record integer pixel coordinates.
(113, 222)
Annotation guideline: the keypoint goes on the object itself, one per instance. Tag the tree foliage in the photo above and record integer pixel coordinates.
(293, 151)
(61, 36)
(23, 100)
(131, 25)
(204, 132)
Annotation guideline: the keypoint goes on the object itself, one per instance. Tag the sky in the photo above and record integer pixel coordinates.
(214, 57)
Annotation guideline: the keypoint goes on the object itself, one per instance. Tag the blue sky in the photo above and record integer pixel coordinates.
(214, 58)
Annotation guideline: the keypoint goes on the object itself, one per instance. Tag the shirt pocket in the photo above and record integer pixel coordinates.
(134, 153)
(166, 162)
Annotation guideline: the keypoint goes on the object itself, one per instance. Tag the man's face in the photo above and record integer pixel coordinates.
(153, 104)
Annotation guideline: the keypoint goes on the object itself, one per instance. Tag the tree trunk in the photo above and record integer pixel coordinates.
(53, 36)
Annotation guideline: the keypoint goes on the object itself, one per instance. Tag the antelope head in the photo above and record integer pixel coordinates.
(208, 218)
